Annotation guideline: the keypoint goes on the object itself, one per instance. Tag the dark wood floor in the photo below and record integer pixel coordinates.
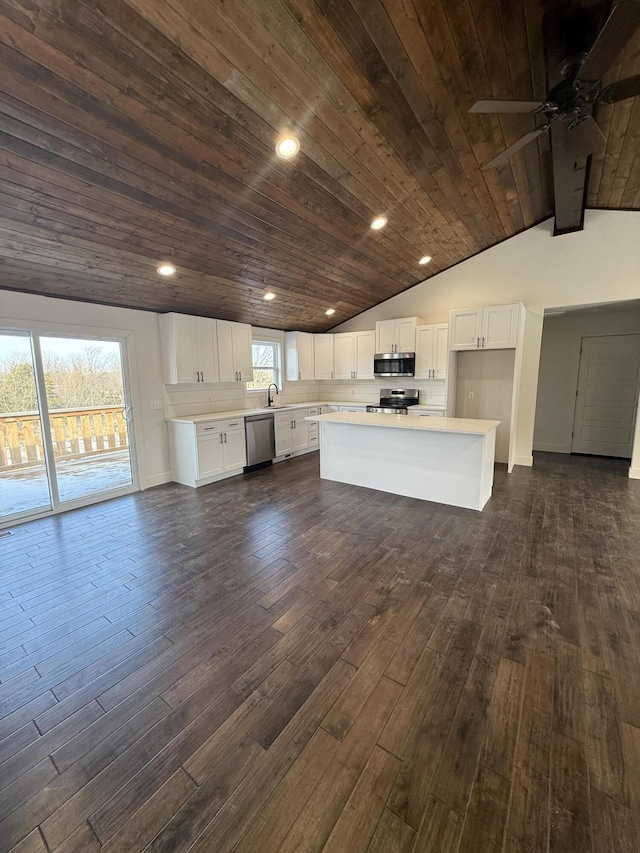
(279, 663)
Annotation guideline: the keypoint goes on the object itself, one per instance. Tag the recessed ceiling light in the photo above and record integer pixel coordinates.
(287, 147)
(378, 223)
(425, 259)
(166, 269)
(330, 311)
(269, 296)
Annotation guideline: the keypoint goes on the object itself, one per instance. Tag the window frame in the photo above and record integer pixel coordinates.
(277, 367)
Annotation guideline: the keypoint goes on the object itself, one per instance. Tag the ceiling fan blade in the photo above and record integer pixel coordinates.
(621, 90)
(569, 180)
(505, 106)
(587, 138)
(525, 140)
(620, 26)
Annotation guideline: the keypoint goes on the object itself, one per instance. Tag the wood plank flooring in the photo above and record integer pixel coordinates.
(279, 663)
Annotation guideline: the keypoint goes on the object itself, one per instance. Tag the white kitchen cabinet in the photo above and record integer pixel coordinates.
(397, 335)
(313, 426)
(298, 356)
(292, 431)
(432, 352)
(282, 424)
(359, 409)
(323, 356)
(207, 451)
(354, 353)
(189, 349)
(234, 351)
(300, 437)
(484, 328)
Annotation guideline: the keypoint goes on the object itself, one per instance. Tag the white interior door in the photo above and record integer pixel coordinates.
(607, 395)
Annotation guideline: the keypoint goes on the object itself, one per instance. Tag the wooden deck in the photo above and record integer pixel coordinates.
(279, 663)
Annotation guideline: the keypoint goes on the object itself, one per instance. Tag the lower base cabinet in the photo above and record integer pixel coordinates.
(294, 434)
(206, 452)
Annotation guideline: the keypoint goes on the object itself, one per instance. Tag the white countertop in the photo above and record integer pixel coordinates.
(470, 426)
(244, 413)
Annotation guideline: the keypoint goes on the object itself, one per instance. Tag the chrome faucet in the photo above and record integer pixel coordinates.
(269, 397)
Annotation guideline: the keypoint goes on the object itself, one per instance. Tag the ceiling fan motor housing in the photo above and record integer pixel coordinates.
(573, 99)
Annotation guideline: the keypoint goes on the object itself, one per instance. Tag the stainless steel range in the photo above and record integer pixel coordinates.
(396, 401)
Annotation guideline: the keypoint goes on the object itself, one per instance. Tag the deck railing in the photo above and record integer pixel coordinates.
(74, 432)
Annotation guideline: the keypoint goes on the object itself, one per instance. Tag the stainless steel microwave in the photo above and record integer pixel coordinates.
(394, 364)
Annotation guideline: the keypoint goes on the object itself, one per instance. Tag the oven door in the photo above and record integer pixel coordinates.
(394, 364)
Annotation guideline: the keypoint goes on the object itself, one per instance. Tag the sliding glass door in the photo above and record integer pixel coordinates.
(24, 484)
(64, 423)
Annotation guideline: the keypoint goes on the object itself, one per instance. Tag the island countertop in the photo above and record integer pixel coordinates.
(468, 426)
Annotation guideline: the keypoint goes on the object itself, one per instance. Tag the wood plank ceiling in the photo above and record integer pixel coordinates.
(137, 131)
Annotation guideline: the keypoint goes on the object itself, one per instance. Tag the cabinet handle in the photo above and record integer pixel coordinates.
(483, 340)
(221, 439)
(240, 375)
(478, 344)
(332, 374)
(225, 438)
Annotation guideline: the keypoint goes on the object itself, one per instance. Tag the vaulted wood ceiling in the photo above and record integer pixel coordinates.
(137, 131)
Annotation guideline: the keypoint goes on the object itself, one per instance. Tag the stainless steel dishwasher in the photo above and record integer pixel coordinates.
(261, 441)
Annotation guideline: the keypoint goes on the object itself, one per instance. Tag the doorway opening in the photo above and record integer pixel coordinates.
(588, 380)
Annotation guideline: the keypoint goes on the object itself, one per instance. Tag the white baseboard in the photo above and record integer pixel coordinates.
(158, 480)
(553, 448)
(634, 473)
(526, 461)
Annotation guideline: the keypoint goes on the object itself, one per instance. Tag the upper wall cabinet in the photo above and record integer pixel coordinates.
(484, 328)
(323, 356)
(189, 349)
(354, 353)
(298, 356)
(397, 335)
(234, 351)
(432, 352)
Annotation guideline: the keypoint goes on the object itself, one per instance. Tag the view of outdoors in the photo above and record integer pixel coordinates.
(85, 397)
(265, 366)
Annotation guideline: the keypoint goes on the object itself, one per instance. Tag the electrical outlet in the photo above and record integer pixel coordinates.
(471, 395)
(156, 405)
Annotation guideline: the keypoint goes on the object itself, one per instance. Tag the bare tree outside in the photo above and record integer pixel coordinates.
(91, 378)
(265, 368)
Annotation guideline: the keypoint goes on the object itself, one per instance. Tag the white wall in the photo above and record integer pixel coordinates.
(599, 264)
(559, 365)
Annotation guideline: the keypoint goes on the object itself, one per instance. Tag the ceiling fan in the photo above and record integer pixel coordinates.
(568, 113)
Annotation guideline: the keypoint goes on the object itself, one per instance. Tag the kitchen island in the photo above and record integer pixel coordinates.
(446, 460)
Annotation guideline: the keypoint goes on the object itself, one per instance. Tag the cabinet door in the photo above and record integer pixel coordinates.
(385, 335)
(234, 450)
(206, 335)
(242, 356)
(210, 461)
(323, 356)
(440, 350)
(500, 327)
(305, 355)
(406, 334)
(365, 350)
(226, 365)
(300, 435)
(283, 428)
(465, 329)
(343, 355)
(179, 348)
(424, 351)
(298, 355)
